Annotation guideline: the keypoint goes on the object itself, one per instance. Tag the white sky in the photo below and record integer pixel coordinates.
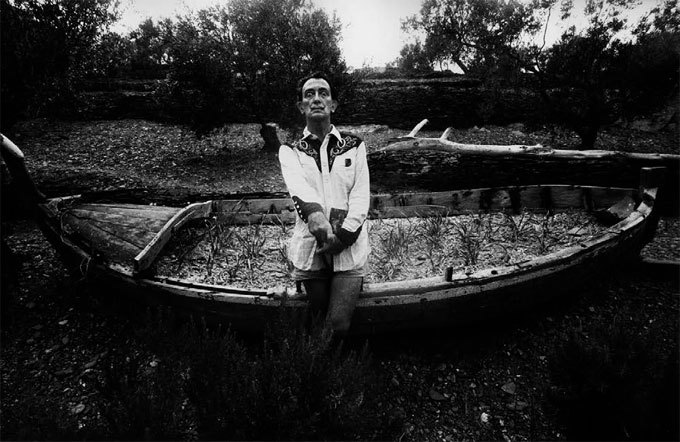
(371, 29)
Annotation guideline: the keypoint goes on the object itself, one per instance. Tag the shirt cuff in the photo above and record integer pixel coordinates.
(346, 237)
(304, 209)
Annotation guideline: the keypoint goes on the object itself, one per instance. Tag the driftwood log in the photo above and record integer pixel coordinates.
(438, 164)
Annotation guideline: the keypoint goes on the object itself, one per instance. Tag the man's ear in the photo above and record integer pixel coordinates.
(300, 107)
(334, 105)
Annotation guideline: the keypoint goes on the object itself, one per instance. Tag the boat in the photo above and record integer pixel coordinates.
(116, 244)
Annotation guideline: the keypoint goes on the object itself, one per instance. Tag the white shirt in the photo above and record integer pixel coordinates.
(326, 175)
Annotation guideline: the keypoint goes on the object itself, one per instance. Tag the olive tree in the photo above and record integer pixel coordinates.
(243, 59)
(579, 77)
(47, 47)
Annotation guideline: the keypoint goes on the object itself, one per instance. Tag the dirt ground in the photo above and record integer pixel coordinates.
(500, 381)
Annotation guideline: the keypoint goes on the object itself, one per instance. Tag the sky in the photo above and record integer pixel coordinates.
(371, 29)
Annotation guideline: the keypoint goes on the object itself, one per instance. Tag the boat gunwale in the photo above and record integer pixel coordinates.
(397, 292)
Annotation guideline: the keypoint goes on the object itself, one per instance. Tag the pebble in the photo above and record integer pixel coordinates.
(509, 388)
(517, 405)
(92, 363)
(436, 396)
(64, 372)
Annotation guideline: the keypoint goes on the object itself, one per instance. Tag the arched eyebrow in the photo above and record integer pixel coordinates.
(320, 90)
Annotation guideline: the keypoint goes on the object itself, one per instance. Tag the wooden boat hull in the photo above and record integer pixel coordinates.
(114, 245)
(394, 306)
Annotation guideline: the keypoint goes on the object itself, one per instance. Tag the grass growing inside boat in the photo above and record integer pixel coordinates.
(255, 255)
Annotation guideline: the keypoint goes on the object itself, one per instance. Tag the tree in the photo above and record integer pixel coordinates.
(243, 59)
(46, 50)
(150, 46)
(579, 78)
(201, 80)
(414, 60)
(473, 32)
(111, 56)
(650, 66)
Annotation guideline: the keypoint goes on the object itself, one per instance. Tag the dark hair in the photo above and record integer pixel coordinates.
(316, 74)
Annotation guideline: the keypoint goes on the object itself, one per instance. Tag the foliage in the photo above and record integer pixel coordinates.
(151, 46)
(241, 61)
(587, 79)
(414, 60)
(613, 384)
(471, 238)
(470, 33)
(47, 47)
(114, 53)
(204, 383)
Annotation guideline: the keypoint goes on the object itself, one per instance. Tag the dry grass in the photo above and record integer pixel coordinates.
(255, 256)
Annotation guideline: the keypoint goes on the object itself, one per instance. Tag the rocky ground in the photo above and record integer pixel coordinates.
(601, 364)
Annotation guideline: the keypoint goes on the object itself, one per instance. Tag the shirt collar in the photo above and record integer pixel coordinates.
(334, 131)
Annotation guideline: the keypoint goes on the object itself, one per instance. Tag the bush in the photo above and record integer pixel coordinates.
(204, 383)
(614, 384)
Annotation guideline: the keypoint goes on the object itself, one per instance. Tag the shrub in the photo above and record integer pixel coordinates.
(607, 385)
(201, 382)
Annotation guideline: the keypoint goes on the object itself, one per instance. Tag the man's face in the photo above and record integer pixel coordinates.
(317, 103)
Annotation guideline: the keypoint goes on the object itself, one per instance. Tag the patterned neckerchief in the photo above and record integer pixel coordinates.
(338, 144)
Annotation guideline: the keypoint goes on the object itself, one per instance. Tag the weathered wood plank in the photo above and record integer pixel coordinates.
(198, 210)
(274, 205)
(98, 241)
(149, 224)
(133, 210)
(137, 236)
(247, 218)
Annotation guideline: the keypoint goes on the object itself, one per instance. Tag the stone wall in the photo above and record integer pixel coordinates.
(396, 103)
(444, 104)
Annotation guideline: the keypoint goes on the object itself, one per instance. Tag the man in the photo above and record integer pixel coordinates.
(327, 177)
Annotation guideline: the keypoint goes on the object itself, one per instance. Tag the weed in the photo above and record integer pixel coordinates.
(284, 227)
(234, 269)
(543, 234)
(396, 240)
(217, 236)
(285, 263)
(252, 240)
(434, 229)
(392, 251)
(517, 226)
(206, 384)
(614, 383)
(470, 238)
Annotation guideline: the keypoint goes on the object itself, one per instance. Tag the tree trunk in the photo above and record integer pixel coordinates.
(423, 168)
(270, 137)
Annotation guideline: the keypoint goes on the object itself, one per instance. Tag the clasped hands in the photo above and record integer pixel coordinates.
(323, 232)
